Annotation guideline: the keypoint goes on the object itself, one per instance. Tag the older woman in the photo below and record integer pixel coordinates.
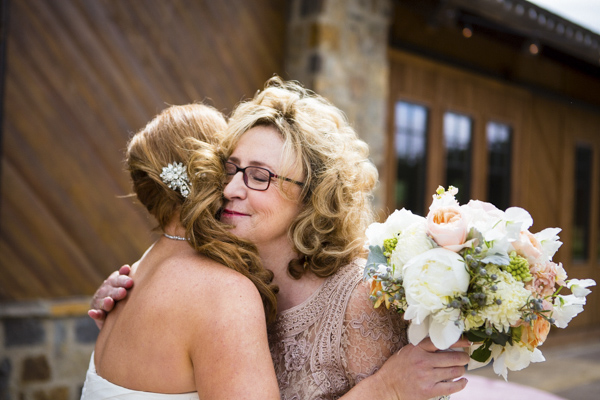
(175, 348)
(298, 186)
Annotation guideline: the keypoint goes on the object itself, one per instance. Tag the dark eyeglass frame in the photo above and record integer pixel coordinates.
(245, 176)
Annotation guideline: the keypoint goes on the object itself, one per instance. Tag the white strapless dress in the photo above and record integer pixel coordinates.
(98, 388)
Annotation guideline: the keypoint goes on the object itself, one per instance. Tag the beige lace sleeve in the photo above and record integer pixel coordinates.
(370, 336)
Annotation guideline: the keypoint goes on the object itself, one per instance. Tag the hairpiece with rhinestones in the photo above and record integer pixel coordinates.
(175, 176)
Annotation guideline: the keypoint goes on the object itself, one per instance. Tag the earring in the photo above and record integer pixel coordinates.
(305, 264)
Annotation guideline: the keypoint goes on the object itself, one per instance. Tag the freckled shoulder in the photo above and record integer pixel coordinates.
(203, 283)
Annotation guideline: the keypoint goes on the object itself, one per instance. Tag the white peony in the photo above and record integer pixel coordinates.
(431, 280)
(398, 221)
(411, 242)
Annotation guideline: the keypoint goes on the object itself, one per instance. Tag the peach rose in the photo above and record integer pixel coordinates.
(447, 226)
(534, 335)
(529, 247)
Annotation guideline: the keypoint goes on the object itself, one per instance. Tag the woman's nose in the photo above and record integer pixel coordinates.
(236, 188)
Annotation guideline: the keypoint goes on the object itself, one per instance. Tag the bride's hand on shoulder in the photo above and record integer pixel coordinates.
(113, 289)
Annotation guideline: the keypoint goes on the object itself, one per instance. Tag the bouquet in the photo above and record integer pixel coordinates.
(474, 270)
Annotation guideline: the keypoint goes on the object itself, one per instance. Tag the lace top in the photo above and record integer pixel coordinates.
(326, 345)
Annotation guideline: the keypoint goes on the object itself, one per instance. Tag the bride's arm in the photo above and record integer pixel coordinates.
(113, 289)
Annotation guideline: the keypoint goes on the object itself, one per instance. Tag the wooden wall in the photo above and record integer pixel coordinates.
(81, 76)
(545, 131)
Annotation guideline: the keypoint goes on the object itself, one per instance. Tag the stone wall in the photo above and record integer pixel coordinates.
(45, 348)
(339, 48)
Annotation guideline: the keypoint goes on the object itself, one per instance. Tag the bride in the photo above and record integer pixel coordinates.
(159, 343)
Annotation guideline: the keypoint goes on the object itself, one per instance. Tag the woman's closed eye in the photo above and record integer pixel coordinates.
(258, 175)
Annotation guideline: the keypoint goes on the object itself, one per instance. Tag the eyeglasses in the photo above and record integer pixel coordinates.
(255, 178)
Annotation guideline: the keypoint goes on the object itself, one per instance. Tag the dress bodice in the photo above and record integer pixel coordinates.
(324, 346)
(98, 388)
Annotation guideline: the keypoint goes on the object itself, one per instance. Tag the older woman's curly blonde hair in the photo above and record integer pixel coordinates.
(336, 198)
(190, 134)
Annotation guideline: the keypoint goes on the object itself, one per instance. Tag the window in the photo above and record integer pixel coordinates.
(582, 203)
(499, 156)
(457, 139)
(410, 140)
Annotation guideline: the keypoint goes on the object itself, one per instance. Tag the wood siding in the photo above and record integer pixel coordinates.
(81, 76)
(545, 133)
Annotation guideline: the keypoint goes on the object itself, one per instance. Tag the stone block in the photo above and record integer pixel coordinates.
(69, 308)
(73, 364)
(35, 369)
(60, 343)
(23, 332)
(58, 393)
(86, 330)
(330, 36)
(326, 36)
(313, 38)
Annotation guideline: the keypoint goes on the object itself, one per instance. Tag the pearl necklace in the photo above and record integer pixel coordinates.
(173, 237)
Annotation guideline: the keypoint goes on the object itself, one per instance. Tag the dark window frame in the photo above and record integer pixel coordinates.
(456, 161)
(499, 166)
(417, 173)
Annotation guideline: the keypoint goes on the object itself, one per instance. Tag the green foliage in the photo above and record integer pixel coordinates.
(488, 336)
(375, 258)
